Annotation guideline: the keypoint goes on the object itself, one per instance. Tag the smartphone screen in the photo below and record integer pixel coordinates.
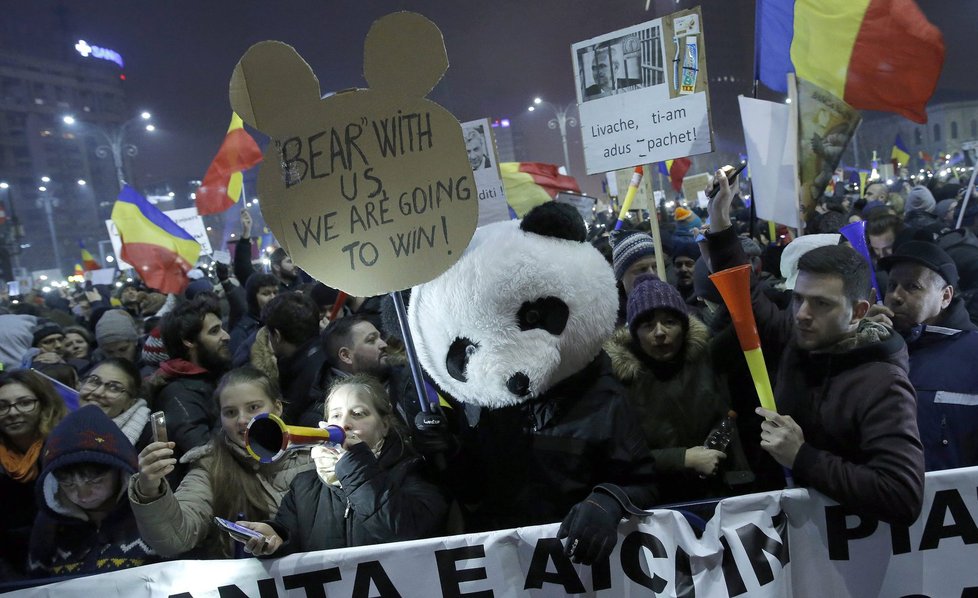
(158, 420)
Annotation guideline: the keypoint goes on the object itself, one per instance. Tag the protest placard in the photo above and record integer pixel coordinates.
(368, 190)
(642, 93)
(480, 145)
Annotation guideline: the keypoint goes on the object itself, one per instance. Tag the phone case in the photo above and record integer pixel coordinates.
(239, 533)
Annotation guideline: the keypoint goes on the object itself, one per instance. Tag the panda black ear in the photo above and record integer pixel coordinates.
(552, 219)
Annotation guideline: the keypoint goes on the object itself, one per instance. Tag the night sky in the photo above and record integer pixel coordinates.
(180, 54)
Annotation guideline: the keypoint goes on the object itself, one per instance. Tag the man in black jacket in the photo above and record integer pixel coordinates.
(847, 424)
(199, 355)
(292, 320)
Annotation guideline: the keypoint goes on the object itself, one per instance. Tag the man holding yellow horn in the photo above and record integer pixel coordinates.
(846, 422)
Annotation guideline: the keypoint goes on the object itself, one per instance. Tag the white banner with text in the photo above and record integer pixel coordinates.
(789, 543)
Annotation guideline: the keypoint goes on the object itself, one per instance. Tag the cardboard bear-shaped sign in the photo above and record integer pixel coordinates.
(369, 190)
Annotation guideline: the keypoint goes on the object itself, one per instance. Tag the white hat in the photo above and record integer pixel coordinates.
(799, 247)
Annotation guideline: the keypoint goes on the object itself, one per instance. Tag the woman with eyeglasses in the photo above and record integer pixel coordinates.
(29, 410)
(113, 386)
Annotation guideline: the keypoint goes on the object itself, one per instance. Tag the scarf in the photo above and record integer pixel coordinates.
(132, 421)
(326, 457)
(22, 468)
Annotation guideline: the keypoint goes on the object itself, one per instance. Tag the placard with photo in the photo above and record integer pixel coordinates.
(642, 93)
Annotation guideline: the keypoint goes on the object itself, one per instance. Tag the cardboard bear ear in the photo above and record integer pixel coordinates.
(270, 84)
(404, 54)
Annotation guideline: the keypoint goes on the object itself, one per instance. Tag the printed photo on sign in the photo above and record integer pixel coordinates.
(484, 160)
(621, 64)
(475, 147)
(642, 93)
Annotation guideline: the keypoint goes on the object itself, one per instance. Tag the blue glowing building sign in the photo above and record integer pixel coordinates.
(87, 50)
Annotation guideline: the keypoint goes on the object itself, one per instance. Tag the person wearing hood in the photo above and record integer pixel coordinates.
(84, 523)
(664, 358)
(29, 409)
(847, 414)
(223, 480)
(369, 490)
(183, 387)
(922, 304)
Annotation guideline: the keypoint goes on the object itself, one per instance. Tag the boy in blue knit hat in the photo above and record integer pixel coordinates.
(84, 522)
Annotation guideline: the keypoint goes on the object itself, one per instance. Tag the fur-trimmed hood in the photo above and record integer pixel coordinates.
(627, 364)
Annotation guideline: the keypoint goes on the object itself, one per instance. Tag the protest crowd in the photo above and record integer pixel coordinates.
(594, 366)
(857, 383)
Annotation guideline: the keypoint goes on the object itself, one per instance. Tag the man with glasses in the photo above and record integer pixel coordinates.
(199, 355)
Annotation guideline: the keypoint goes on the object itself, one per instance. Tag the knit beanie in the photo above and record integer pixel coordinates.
(627, 247)
(686, 218)
(201, 285)
(115, 325)
(651, 293)
(920, 198)
(684, 249)
(87, 435)
(45, 328)
(154, 351)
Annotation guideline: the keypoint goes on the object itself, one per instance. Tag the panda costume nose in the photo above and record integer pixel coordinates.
(519, 384)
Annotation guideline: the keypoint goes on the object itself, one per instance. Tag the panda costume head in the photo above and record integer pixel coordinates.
(528, 305)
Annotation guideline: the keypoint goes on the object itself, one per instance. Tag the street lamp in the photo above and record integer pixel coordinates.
(560, 121)
(113, 141)
(48, 203)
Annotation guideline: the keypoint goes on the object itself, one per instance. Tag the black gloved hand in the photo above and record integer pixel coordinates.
(591, 528)
(222, 271)
(431, 435)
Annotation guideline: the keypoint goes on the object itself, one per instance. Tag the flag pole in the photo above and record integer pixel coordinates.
(660, 262)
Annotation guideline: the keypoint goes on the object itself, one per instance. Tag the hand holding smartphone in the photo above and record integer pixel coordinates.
(238, 532)
(730, 179)
(158, 420)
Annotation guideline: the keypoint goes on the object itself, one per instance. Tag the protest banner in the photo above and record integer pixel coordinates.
(788, 543)
(480, 145)
(773, 157)
(642, 93)
(694, 185)
(643, 194)
(825, 126)
(186, 218)
(368, 190)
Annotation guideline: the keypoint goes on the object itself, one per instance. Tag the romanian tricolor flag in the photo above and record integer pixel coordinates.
(874, 54)
(221, 187)
(676, 171)
(529, 184)
(899, 154)
(161, 252)
(88, 262)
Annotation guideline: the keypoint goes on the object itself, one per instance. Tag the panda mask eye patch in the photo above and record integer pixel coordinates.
(548, 313)
(458, 358)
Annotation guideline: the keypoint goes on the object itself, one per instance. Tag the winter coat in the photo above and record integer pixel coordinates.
(177, 522)
(678, 407)
(187, 399)
(854, 404)
(16, 518)
(379, 500)
(528, 464)
(942, 372)
(297, 378)
(64, 539)
(242, 337)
